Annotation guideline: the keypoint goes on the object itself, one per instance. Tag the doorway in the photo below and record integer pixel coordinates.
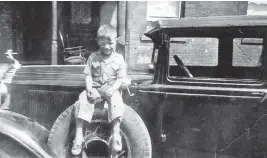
(32, 31)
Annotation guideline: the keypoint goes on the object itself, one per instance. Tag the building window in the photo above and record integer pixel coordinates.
(163, 9)
(257, 8)
(81, 12)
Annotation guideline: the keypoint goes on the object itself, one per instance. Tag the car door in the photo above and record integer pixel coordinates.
(211, 116)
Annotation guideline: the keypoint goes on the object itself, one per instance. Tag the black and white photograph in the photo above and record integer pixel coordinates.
(133, 79)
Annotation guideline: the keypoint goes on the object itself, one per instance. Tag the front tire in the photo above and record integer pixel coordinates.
(136, 138)
(10, 148)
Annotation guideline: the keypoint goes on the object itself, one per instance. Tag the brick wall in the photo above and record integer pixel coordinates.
(5, 29)
(215, 8)
(140, 50)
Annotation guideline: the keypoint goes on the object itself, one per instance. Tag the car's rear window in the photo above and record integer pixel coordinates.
(195, 51)
(247, 52)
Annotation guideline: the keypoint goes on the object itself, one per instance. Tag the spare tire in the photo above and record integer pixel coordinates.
(136, 138)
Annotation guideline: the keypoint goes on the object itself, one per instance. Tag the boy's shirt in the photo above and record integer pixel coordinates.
(105, 72)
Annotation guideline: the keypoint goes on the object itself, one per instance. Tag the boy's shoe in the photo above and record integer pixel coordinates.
(76, 148)
(116, 142)
(113, 155)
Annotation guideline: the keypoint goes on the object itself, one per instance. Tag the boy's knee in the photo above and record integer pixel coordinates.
(116, 97)
(83, 95)
(76, 108)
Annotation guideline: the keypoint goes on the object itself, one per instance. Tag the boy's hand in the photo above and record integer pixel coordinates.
(93, 95)
(90, 96)
(109, 92)
(89, 92)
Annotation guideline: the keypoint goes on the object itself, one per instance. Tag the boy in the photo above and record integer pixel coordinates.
(107, 68)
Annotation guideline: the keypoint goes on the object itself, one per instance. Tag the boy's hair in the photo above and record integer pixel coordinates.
(106, 31)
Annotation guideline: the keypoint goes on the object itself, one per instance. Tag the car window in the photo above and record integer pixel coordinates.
(199, 55)
(195, 51)
(247, 52)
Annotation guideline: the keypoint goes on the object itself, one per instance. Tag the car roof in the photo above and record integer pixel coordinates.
(221, 26)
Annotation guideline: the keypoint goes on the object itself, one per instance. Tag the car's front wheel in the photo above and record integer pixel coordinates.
(135, 137)
(9, 148)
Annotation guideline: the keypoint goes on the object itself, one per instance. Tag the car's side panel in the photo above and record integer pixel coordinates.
(210, 118)
(69, 76)
(43, 92)
(58, 75)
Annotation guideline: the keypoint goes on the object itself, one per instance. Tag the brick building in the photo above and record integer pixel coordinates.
(141, 47)
(27, 26)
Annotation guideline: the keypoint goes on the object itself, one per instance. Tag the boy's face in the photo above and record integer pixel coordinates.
(107, 45)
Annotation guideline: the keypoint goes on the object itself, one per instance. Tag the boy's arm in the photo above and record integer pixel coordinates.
(88, 83)
(117, 84)
(88, 77)
(121, 73)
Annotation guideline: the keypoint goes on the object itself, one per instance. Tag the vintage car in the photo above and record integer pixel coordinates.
(205, 97)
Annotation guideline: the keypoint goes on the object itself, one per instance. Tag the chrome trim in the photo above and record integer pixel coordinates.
(16, 63)
(202, 95)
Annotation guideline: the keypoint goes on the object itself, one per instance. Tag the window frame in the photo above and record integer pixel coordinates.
(179, 11)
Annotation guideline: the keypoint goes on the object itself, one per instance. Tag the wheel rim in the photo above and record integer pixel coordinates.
(97, 141)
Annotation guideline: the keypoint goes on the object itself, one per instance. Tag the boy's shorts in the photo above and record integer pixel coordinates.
(84, 109)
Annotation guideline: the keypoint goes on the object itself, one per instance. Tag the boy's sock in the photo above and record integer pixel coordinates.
(77, 143)
(116, 136)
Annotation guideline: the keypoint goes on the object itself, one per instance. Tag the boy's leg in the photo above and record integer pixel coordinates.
(116, 137)
(83, 112)
(77, 143)
(85, 109)
(115, 112)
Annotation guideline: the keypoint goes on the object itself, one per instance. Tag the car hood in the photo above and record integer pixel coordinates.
(58, 75)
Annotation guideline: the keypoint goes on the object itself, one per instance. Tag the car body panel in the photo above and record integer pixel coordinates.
(58, 75)
(37, 91)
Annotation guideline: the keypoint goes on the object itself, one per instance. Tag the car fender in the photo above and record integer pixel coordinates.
(26, 132)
